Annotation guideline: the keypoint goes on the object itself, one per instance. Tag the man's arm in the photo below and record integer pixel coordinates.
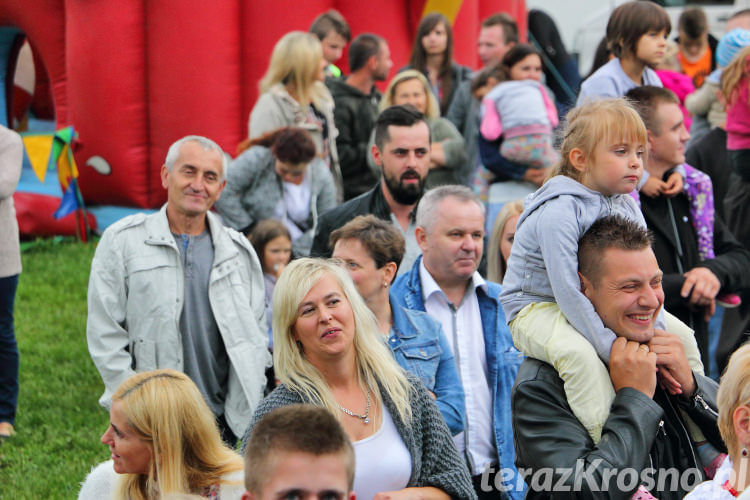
(107, 338)
(550, 440)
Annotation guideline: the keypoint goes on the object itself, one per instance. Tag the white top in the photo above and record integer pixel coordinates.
(297, 206)
(712, 489)
(102, 480)
(463, 330)
(382, 461)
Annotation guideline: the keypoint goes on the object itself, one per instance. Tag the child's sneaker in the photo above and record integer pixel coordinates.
(728, 300)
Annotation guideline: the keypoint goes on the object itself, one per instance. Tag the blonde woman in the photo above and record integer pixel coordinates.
(328, 351)
(293, 94)
(501, 240)
(448, 151)
(163, 440)
(733, 401)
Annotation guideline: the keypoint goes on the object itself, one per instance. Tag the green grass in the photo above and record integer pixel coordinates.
(59, 421)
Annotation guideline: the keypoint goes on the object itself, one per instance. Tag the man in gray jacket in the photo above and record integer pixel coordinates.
(176, 289)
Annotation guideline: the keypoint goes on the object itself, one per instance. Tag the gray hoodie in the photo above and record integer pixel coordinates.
(543, 264)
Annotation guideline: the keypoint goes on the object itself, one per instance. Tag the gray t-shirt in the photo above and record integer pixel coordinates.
(206, 360)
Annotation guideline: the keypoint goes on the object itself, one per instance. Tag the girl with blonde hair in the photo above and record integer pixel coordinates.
(163, 440)
(328, 351)
(447, 150)
(501, 240)
(293, 94)
(602, 153)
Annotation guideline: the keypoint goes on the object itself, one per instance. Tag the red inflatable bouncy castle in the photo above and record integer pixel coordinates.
(133, 76)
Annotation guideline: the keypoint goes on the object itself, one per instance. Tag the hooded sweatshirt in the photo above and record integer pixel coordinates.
(543, 264)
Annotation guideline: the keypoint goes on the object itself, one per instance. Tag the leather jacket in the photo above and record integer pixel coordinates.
(648, 436)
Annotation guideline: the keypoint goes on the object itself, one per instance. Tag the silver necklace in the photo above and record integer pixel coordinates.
(366, 417)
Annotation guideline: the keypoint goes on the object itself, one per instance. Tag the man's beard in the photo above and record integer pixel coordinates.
(405, 194)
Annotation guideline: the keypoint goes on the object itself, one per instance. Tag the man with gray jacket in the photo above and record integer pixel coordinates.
(177, 289)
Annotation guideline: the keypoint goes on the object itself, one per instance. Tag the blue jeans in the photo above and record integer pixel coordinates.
(8, 351)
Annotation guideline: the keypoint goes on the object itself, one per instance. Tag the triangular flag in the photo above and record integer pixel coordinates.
(38, 147)
(66, 167)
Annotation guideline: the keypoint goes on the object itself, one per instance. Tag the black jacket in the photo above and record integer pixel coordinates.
(730, 265)
(355, 114)
(372, 202)
(640, 433)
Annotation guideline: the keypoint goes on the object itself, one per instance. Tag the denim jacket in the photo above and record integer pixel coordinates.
(503, 361)
(420, 347)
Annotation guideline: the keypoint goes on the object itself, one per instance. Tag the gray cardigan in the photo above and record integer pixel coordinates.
(254, 190)
(11, 156)
(435, 460)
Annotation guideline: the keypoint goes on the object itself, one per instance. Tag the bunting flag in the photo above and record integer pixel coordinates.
(54, 152)
(38, 147)
(449, 8)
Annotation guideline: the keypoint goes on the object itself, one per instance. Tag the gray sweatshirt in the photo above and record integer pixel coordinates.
(543, 264)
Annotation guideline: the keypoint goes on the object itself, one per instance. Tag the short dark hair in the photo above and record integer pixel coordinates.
(518, 53)
(398, 116)
(263, 232)
(506, 22)
(292, 145)
(613, 231)
(295, 428)
(381, 239)
(646, 98)
(330, 20)
(630, 21)
(362, 49)
(693, 23)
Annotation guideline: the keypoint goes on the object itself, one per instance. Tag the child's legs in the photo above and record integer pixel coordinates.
(541, 331)
(534, 150)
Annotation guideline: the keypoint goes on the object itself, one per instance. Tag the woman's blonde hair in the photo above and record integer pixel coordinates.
(594, 121)
(496, 263)
(433, 108)
(732, 75)
(168, 412)
(295, 63)
(375, 364)
(734, 391)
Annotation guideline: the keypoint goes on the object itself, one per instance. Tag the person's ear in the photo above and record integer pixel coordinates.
(577, 159)
(586, 286)
(376, 155)
(389, 273)
(164, 177)
(421, 236)
(741, 421)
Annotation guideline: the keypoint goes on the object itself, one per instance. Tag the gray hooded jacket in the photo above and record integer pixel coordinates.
(543, 264)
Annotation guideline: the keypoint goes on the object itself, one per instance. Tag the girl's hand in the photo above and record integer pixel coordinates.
(673, 186)
(653, 187)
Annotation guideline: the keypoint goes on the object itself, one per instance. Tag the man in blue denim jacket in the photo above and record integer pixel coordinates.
(444, 282)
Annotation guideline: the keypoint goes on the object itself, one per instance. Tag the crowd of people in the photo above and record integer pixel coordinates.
(324, 299)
